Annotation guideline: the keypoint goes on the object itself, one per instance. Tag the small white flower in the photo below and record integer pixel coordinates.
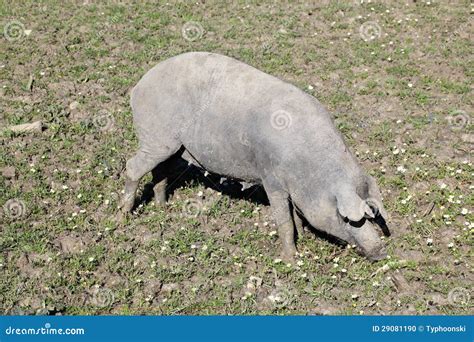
(464, 211)
(429, 241)
(277, 261)
(401, 169)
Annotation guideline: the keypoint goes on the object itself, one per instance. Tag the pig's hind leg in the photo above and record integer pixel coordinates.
(140, 164)
(160, 181)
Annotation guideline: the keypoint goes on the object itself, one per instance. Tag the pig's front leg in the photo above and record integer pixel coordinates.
(280, 206)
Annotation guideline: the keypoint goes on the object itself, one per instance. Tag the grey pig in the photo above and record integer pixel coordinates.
(234, 120)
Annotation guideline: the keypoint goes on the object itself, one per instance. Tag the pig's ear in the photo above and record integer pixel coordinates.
(375, 198)
(350, 205)
(375, 202)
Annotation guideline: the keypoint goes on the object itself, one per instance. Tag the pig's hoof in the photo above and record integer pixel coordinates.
(377, 255)
(160, 196)
(288, 256)
(160, 202)
(120, 217)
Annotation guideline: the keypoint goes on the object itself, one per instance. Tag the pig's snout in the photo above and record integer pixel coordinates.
(368, 241)
(378, 254)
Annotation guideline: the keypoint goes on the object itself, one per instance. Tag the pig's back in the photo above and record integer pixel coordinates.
(230, 116)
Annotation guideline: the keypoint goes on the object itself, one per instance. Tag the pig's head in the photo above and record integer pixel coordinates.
(354, 214)
(362, 220)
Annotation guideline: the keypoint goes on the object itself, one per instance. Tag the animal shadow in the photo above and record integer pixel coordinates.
(181, 174)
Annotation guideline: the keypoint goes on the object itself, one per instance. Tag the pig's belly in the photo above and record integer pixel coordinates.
(228, 158)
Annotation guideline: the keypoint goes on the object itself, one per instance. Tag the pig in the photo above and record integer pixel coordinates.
(229, 118)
